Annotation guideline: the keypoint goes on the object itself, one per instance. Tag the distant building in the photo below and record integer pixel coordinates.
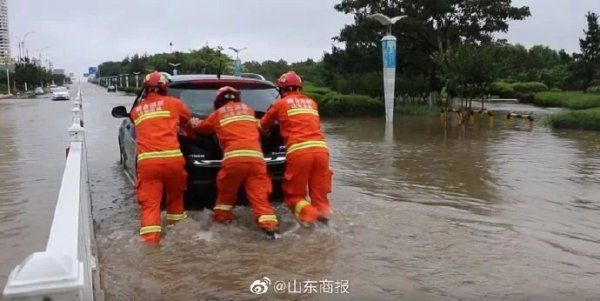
(4, 33)
(58, 71)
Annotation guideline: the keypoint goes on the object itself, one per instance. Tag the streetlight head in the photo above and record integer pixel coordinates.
(238, 50)
(385, 20)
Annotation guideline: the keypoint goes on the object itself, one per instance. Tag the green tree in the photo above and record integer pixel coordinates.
(204, 60)
(590, 49)
(432, 26)
(469, 70)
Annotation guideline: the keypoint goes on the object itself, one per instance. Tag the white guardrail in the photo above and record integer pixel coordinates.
(67, 269)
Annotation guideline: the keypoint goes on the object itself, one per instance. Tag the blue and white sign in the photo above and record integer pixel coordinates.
(389, 53)
(237, 67)
(92, 70)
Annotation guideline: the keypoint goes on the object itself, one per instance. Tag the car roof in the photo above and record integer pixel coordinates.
(214, 79)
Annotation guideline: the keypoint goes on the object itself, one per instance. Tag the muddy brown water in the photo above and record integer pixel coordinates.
(423, 213)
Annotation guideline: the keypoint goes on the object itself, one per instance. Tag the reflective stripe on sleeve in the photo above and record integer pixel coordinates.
(243, 153)
(223, 207)
(163, 154)
(150, 229)
(292, 112)
(299, 206)
(229, 120)
(155, 114)
(267, 218)
(307, 144)
(177, 217)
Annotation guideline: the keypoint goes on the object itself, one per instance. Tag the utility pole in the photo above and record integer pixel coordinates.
(127, 80)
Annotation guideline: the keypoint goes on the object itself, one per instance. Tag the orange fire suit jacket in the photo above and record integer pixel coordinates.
(300, 124)
(237, 130)
(158, 140)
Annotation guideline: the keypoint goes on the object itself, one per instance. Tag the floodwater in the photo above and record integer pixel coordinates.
(423, 212)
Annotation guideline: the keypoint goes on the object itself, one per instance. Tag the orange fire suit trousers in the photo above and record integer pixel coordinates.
(307, 170)
(253, 175)
(154, 176)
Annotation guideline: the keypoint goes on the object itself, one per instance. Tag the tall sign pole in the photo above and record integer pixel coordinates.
(238, 67)
(388, 44)
(237, 64)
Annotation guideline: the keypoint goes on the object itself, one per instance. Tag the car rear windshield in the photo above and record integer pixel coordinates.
(201, 100)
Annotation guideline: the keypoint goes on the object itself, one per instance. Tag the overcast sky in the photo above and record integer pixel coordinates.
(82, 33)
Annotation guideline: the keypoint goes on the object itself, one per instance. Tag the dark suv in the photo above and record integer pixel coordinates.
(203, 153)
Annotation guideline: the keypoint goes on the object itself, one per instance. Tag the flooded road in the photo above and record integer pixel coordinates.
(33, 139)
(422, 213)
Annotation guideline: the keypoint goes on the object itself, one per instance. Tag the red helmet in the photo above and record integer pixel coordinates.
(155, 81)
(225, 95)
(290, 79)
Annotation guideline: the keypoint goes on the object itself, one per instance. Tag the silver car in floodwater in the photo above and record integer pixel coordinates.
(60, 93)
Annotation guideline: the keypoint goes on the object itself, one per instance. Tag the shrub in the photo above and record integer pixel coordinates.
(593, 89)
(316, 90)
(502, 89)
(555, 90)
(582, 119)
(526, 90)
(417, 110)
(316, 93)
(571, 100)
(336, 104)
(595, 83)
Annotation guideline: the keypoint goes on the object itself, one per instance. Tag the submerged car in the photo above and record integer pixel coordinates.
(39, 91)
(60, 93)
(111, 88)
(202, 153)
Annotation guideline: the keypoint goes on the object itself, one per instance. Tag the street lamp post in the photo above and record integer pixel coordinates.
(137, 79)
(238, 63)
(174, 67)
(388, 43)
(22, 45)
(6, 64)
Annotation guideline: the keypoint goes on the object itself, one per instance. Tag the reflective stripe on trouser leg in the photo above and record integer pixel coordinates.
(177, 217)
(267, 218)
(223, 207)
(150, 229)
(299, 206)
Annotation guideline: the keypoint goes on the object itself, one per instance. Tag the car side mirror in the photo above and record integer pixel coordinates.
(119, 112)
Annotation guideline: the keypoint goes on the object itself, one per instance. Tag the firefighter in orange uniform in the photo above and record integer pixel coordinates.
(160, 163)
(307, 153)
(243, 161)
